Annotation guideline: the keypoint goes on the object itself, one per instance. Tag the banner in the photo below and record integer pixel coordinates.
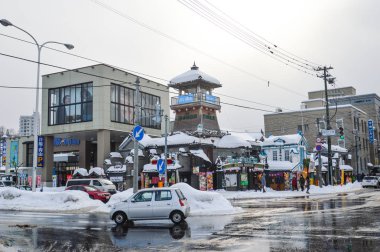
(40, 151)
(3, 149)
(13, 161)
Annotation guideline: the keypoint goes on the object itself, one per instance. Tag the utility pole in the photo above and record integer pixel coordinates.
(135, 143)
(327, 78)
(166, 150)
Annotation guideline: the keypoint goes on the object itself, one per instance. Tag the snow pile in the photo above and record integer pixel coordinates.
(15, 199)
(120, 196)
(270, 193)
(206, 203)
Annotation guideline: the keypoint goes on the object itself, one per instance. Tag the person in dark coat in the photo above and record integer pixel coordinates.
(263, 182)
(294, 183)
(302, 182)
(307, 184)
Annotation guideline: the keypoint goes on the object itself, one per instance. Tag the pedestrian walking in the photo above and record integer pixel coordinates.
(263, 182)
(294, 183)
(256, 183)
(302, 182)
(307, 184)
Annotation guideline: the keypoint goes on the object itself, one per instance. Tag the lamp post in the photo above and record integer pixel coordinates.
(5, 22)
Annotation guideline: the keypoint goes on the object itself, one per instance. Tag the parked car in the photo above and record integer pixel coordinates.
(102, 184)
(152, 204)
(7, 183)
(92, 191)
(371, 181)
(24, 187)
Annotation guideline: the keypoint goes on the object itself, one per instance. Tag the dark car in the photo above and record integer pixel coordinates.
(92, 191)
(24, 187)
(7, 183)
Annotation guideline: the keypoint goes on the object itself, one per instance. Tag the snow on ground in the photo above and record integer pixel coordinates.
(270, 193)
(206, 203)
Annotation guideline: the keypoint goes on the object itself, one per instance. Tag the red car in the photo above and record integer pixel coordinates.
(92, 191)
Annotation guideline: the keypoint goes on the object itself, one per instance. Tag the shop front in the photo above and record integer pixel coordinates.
(151, 178)
(64, 166)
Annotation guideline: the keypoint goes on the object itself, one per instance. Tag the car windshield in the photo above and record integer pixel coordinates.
(370, 178)
(105, 182)
(90, 188)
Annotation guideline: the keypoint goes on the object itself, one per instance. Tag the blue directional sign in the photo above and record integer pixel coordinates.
(370, 131)
(138, 132)
(161, 167)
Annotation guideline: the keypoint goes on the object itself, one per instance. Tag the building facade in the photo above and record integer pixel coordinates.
(26, 125)
(88, 112)
(311, 121)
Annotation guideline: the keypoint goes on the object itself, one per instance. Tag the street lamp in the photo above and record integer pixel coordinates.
(5, 22)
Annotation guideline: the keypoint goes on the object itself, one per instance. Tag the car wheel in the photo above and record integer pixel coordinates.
(120, 218)
(176, 217)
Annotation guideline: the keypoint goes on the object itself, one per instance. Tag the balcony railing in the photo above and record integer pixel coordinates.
(195, 98)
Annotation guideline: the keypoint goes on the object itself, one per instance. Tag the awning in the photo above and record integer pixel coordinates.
(81, 171)
(153, 167)
(65, 157)
(200, 153)
(97, 170)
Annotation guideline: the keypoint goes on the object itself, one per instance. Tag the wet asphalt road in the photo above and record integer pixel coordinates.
(345, 222)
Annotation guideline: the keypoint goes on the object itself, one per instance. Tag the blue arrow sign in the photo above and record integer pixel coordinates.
(161, 167)
(138, 132)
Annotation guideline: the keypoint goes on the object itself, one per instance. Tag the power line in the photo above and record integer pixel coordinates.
(123, 15)
(245, 37)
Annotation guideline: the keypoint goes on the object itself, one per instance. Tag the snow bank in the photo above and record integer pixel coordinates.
(15, 199)
(314, 191)
(206, 203)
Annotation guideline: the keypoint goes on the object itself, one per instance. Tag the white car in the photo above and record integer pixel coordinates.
(101, 184)
(152, 204)
(371, 181)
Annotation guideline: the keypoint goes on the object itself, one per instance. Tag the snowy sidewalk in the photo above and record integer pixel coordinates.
(314, 191)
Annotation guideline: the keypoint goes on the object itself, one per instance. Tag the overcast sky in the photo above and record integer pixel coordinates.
(341, 33)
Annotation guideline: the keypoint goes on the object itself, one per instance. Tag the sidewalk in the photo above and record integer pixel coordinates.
(314, 190)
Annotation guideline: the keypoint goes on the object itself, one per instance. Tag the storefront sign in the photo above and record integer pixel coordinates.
(3, 148)
(66, 141)
(243, 179)
(196, 170)
(231, 180)
(14, 154)
(40, 151)
(185, 98)
(202, 181)
(116, 179)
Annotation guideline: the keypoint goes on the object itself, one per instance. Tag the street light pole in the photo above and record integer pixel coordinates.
(166, 150)
(135, 143)
(5, 22)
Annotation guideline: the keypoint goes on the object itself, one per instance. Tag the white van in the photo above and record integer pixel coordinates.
(102, 184)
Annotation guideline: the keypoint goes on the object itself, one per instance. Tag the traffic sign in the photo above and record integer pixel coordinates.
(138, 132)
(318, 147)
(328, 132)
(161, 167)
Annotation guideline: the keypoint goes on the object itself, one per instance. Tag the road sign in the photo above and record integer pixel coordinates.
(161, 167)
(318, 140)
(328, 132)
(318, 147)
(370, 131)
(138, 132)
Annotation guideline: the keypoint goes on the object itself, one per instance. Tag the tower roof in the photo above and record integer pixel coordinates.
(194, 74)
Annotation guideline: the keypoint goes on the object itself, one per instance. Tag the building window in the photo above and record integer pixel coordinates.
(70, 104)
(29, 155)
(274, 155)
(286, 155)
(122, 107)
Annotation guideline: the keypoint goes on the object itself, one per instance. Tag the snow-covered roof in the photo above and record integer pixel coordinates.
(98, 170)
(281, 165)
(317, 109)
(129, 159)
(153, 167)
(81, 171)
(141, 154)
(276, 140)
(2, 168)
(115, 155)
(117, 169)
(200, 153)
(107, 162)
(192, 75)
(232, 141)
(346, 167)
(335, 148)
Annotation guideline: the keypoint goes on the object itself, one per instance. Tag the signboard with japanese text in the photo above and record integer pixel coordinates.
(3, 149)
(40, 151)
(371, 135)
